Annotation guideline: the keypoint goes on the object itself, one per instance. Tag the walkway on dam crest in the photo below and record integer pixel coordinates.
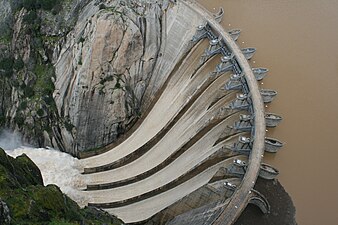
(241, 197)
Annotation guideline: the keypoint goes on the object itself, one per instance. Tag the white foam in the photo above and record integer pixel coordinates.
(57, 168)
(10, 139)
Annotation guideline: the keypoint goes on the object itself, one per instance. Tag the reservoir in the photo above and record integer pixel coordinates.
(297, 40)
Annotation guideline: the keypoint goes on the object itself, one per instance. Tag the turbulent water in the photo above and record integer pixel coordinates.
(56, 167)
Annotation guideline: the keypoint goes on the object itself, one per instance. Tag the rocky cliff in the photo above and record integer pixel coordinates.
(24, 199)
(77, 74)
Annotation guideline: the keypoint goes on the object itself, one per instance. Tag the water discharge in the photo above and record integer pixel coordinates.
(10, 140)
(297, 41)
(56, 167)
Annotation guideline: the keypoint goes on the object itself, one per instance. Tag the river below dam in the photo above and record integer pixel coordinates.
(298, 41)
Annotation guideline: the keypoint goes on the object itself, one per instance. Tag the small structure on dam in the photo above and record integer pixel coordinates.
(196, 155)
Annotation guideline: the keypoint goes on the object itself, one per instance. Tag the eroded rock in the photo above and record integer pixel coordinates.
(102, 73)
(5, 217)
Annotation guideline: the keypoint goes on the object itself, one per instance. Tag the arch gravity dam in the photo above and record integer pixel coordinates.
(196, 153)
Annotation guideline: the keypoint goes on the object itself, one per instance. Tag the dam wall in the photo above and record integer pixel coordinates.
(192, 132)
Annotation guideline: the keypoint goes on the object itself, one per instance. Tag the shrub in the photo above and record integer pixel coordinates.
(69, 126)
(30, 17)
(6, 65)
(19, 120)
(102, 6)
(44, 84)
(23, 86)
(15, 83)
(43, 4)
(58, 8)
(48, 99)
(2, 120)
(117, 85)
(22, 106)
(29, 92)
(18, 64)
(40, 112)
(29, 4)
(81, 40)
(48, 4)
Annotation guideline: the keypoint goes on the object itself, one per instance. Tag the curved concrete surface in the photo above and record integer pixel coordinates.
(186, 162)
(163, 150)
(186, 128)
(240, 198)
(175, 92)
(184, 139)
(199, 86)
(173, 98)
(192, 160)
(145, 209)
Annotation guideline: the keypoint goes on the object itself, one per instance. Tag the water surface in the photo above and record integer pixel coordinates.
(298, 41)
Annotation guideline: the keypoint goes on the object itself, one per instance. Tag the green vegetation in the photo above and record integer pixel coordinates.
(6, 36)
(48, 99)
(106, 79)
(22, 106)
(28, 92)
(31, 78)
(30, 17)
(81, 40)
(30, 203)
(6, 66)
(60, 222)
(18, 64)
(44, 84)
(111, 78)
(40, 112)
(117, 85)
(2, 120)
(19, 120)
(102, 6)
(68, 125)
(41, 4)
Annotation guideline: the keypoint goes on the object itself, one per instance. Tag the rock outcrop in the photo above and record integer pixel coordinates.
(5, 217)
(24, 199)
(103, 70)
(77, 74)
(26, 65)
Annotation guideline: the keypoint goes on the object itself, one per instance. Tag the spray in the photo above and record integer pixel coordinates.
(56, 167)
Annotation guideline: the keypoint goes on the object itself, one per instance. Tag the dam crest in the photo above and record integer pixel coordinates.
(197, 153)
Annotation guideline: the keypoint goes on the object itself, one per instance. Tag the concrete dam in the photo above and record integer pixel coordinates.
(196, 153)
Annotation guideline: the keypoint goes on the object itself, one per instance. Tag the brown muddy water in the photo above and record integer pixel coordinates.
(298, 41)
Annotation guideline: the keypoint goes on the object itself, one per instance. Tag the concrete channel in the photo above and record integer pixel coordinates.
(186, 136)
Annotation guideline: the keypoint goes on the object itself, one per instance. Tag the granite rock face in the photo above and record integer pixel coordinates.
(31, 31)
(5, 217)
(74, 75)
(103, 70)
(6, 14)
